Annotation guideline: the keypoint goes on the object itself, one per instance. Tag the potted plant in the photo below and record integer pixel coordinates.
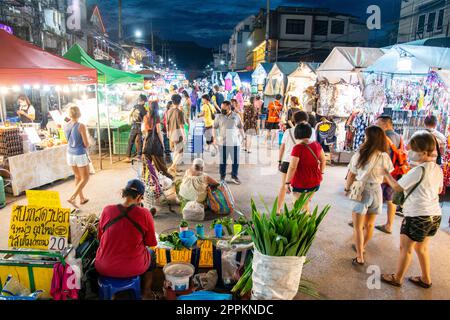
(281, 240)
(218, 227)
(200, 229)
(184, 226)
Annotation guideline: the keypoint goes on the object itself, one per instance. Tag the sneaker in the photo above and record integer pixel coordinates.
(236, 180)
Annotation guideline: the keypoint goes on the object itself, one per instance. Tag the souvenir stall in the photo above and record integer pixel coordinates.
(341, 87)
(117, 94)
(277, 80)
(259, 77)
(245, 80)
(35, 157)
(415, 82)
(301, 84)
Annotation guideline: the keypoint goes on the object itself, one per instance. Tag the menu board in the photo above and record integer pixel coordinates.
(39, 227)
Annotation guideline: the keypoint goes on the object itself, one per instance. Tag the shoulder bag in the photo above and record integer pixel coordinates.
(358, 186)
(400, 198)
(152, 144)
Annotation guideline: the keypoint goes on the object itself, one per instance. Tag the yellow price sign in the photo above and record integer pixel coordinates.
(37, 227)
(43, 198)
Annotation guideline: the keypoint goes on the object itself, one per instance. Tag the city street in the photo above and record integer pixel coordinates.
(330, 256)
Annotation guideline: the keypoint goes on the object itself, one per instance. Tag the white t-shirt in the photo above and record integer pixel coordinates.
(383, 164)
(289, 143)
(424, 201)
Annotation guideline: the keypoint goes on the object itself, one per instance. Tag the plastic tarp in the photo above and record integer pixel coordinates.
(417, 60)
(106, 75)
(344, 62)
(277, 77)
(259, 76)
(245, 76)
(23, 63)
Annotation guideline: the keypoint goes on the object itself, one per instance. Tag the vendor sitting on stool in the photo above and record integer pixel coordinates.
(125, 231)
(26, 111)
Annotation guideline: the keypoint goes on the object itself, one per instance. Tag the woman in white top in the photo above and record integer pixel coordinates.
(368, 165)
(421, 187)
(195, 183)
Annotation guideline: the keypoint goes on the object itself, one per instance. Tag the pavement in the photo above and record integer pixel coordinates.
(330, 256)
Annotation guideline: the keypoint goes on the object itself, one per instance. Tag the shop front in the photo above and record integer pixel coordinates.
(301, 84)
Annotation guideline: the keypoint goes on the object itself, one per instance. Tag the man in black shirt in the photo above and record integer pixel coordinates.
(136, 118)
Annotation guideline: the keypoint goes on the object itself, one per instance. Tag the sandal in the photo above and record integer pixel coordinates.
(84, 201)
(383, 229)
(72, 202)
(355, 262)
(350, 224)
(391, 280)
(418, 282)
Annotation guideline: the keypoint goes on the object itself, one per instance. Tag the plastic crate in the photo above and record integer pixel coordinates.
(121, 138)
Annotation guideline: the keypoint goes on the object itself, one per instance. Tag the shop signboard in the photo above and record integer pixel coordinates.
(43, 198)
(39, 227)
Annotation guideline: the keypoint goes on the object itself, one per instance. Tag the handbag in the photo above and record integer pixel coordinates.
(220, 200)
(152, 144)
(358, 186)
(399, 198)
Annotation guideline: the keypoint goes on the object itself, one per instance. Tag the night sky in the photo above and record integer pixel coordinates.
(210, 22)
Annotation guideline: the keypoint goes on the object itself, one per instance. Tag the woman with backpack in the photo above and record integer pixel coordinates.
(366, 174)
(420, 189)
(307, 164)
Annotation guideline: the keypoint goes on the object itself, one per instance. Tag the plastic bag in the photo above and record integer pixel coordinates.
(276, 278)
(206, 281)
(194, 211)
(13, 287)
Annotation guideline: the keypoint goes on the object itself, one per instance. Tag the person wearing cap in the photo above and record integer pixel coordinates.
(125, 232)
(195, 183)
(136, 117)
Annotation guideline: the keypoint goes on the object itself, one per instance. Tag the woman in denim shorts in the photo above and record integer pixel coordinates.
(368, 165)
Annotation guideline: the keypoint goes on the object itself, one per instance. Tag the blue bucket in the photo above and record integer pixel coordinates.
(188, 238)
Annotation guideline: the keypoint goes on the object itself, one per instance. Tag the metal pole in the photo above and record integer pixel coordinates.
(3, 109)
(109, 126)
(267, 55)
(99, 140)
(59, 101)
(120, 21)
(151, 26)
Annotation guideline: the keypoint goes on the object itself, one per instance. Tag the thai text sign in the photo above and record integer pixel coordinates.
(43, 198)
(33, 227)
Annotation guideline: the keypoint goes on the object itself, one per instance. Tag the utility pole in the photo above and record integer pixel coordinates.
(151, 27)
(267, 53)
(120, 20)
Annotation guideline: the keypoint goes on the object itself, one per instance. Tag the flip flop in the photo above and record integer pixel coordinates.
(84, 202)
(418, 282)
(356, 263)
(392, 280)
(72, 202)
(383, 229)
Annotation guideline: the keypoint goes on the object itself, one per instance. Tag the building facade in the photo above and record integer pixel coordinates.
(239, 43)
(40, 22)
(423, 19)
(303, 34)
(221, 58)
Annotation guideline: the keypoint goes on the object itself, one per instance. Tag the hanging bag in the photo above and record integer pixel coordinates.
(358, 186)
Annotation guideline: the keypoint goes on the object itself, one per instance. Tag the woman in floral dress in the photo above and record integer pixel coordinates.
(250, 124)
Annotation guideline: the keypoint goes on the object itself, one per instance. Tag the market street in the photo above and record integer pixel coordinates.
(330, 266)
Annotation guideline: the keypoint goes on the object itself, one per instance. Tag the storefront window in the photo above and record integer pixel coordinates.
(320, 28)
(295, 26)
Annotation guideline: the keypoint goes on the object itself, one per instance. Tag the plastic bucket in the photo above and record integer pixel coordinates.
(188, 238)
(218, 230)
(179, 275)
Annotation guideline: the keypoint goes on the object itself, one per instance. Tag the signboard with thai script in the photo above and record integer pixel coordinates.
(39, 227)
(43, 198)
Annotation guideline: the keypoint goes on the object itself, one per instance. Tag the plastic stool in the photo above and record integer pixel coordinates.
(108, 287)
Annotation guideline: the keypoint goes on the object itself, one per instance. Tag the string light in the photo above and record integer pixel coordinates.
(46, 88)
(4, 90)
(27, 87)
(36, 86)
(16, 88)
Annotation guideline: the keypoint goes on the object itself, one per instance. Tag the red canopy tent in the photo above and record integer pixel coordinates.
(23, 63)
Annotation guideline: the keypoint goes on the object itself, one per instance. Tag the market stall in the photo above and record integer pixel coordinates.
(301, 84)
(115, 86)
(277, 80)
(259, 77)
(341, 97)
(415, 82)
(27, 151)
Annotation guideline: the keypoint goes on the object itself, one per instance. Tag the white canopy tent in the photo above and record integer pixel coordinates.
(406, 60)
(277, 78)
(345, 63)
(299, 81)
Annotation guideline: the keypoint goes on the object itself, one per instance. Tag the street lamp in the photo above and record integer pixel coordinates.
(222, 62)
(249, 43)
(138, 33)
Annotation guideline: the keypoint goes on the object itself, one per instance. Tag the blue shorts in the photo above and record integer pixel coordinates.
(307, 190)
